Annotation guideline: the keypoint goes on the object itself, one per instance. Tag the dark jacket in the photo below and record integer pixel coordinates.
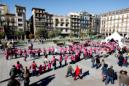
(13, 72)
(13, 82)
(110, 72)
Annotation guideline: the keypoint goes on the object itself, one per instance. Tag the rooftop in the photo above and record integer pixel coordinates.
(20, 6)
(3, 5)
(116, 12)
(38, 9)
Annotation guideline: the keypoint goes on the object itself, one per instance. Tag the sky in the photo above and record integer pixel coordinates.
(63, 7)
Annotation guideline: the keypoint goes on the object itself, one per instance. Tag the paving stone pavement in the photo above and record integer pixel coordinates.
(93, 79)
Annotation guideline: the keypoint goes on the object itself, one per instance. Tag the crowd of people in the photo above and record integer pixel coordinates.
(89, 49)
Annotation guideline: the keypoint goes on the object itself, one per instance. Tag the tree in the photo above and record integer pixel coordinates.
(18, 34)
(41, 33)
(2, 34)
(50, 34)
(31, 36)
(54, 33)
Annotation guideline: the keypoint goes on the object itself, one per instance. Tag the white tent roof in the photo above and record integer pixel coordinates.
(116, 37)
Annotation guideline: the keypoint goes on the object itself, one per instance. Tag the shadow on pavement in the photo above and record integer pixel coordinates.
(85, 74)
(4, 80)
(44, 82)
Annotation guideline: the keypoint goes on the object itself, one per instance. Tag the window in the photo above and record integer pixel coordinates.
(61, 24)
(62, 20)
(56, 24)
(19, 14)
(19, 20)
(67, 25)
(19, 24)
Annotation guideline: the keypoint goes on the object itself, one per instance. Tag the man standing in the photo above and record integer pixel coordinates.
(69, 70)
(110, 76)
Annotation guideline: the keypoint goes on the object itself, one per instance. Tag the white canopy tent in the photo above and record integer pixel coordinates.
(127, 36)
(116, 36)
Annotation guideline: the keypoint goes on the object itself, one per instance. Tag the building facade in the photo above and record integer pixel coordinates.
(80, 22)
(40, 20)
(74, 23)
(21, 18)
(10, 25)
(96, 24)
(115, 21)
(3, 11)
(62, 23)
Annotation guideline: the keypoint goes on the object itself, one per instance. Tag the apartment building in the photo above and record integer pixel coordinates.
(62, 23)
(85, 21)
(74, 23)
(95, 24)
(115, 21)
(80, 22)
(41, 20)
(20, 17)
(3, 11)
(10, 25)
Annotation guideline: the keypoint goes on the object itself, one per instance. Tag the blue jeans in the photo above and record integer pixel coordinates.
(109, 79)
(93, 64)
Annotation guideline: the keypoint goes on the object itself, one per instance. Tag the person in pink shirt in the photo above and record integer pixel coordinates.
(29, 52)
(20, 52)
(33, 67)
(25, 54)
(45, 51)
(66, 59)
(49, 50)
(53, 50)
(15, 52)
(85, 54)
(6, 54)
(40, 70)
(65, 50)
(19, 68)
(44, 67)
(54, 62)
(49, 65)
(60, 60)
(39, 51)
(72, 59)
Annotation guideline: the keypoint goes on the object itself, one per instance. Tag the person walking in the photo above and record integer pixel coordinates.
(98, 62)
(69, 70)
(93, 62)
(25, 54)
(66, 59)
(110, 76)
(33, 67)
(13, 71)
(104, 72)
(60, 60)
(26, 76)
(77, 73)
(54, 62)
(19, 68)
